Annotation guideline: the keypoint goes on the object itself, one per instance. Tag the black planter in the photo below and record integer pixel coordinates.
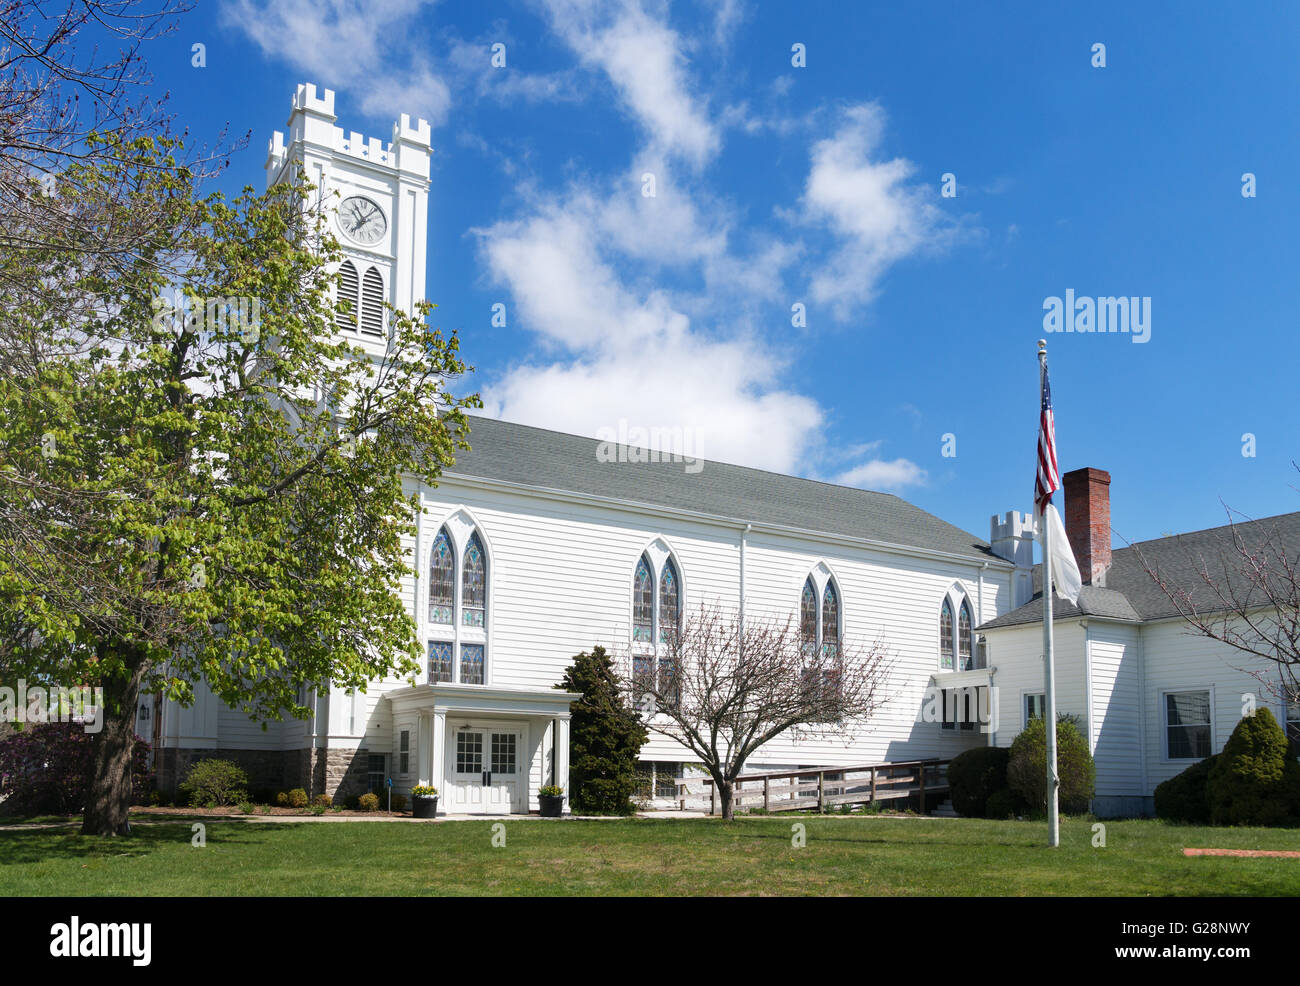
(423, 806)
(552, 805)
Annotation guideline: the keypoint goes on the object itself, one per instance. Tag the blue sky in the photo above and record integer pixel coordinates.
(820, 185)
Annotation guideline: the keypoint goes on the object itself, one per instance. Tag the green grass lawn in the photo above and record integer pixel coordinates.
(875, 856)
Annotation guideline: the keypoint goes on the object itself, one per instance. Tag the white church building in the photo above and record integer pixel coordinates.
(531, 549)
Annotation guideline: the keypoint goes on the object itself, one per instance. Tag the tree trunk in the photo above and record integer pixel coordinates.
(725, 800)
(108, 793)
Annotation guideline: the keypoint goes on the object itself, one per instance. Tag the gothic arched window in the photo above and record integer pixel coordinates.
(474, 586)
(643, 602)
(964, 637)
(372, 303)
(808, 617)
(945, 635)
(669, 602)
(830, 622)
(345, 316)
(442, 580)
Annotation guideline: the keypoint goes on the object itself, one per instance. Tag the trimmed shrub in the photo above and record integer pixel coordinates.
(282, 799)
(368, 802)
(214, 784)
(45, 769)
(1027, 768)
(604, 741)
(1000, 804)
(1185, 797)
(322, 801)
(399, 802)
(975, 775)
(297, 798)
(1255, 781)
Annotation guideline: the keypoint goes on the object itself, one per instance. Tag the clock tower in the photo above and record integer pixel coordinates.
(376, 197)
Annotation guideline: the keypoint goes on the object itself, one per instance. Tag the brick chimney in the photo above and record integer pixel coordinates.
(1087, 521)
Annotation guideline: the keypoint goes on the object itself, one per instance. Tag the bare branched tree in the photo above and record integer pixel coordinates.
(1242, 587)
(723, 687)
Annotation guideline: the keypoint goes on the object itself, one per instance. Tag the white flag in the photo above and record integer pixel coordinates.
(1065, 572)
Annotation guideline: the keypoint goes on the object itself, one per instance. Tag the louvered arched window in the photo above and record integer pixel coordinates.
(964, 638)
(474, 587)
(643, 602)
(372, 303)
(830, 622)
(945, 635)
(345, 313)
(442, 580)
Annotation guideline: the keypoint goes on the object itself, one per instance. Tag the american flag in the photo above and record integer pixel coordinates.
(1049, 477)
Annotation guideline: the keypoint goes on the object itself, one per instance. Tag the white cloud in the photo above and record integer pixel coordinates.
(887, 476)
(628, 350)
(349, 45)
(643, 58)
(876, 215)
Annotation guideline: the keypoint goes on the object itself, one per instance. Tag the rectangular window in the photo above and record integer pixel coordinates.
(404, 751)
(1293, 720)
(1187, 725)
(1035, 706)
(643, 670)
(959, 708)
(440, 666)
(471, 664)
(375, 773)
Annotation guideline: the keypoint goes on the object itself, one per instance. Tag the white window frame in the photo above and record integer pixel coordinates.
(957, 597)
(657, 553)
(457, 633)
(1025, 696)
(1164, 723)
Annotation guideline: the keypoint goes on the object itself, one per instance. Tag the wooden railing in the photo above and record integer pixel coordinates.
(818, 788)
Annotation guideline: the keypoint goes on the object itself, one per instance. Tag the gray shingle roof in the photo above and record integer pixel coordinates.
(514, 453)
(1132, 594)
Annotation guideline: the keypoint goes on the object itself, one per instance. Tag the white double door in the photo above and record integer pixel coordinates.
(487, 769)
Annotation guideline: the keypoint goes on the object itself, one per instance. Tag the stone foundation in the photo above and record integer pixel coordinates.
(340, 773)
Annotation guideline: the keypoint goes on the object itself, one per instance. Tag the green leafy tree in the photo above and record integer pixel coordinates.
(1027, 768)
(605, 737)
(216, 489)
(1256, 779)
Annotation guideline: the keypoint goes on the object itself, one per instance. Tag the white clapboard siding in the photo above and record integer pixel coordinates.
(1177, 660)
(1116, 721)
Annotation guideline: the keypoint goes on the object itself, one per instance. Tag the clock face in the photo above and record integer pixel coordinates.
(362, 220)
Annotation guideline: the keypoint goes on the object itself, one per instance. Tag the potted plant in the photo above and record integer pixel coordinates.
(424, 801)
(551, 799)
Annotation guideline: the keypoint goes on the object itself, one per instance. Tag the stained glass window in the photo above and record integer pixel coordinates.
(471, 664)
(442, 580)
(643, 669)
(945, 635)
(808, 617)
(670, 687)
(964, 638)
(440, 666)
(474, 587)
(643, 602)
(830, 623)
(669, 603)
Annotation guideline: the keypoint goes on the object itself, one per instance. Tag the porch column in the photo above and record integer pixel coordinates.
(438, 749)
(423, 763)
(562, 757)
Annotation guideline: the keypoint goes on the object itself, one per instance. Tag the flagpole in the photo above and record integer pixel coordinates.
(1049, 669)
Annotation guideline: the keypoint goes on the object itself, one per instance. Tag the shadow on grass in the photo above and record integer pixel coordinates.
(18, 847)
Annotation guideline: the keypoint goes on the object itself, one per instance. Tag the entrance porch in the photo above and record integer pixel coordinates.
(487, 750)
